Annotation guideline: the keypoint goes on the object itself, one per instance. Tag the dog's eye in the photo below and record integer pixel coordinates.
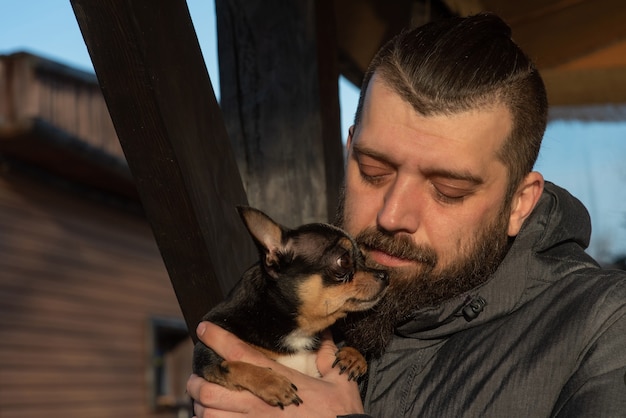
(344, 262)
(344, 268)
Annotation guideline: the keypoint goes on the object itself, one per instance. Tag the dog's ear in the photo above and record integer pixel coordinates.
(266, 233)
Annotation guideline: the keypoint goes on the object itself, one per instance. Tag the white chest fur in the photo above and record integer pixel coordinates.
(304, 358)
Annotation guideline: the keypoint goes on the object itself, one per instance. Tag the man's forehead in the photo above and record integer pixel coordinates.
(485, 124)
(432, 103)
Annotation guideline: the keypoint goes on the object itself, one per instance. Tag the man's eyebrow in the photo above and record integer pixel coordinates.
(360, 150)
(431, 172)
(454, 175)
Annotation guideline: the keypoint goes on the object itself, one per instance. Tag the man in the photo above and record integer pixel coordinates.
(493, 308)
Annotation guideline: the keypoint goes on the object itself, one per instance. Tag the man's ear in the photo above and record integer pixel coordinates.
(349, 140)
(524, 201)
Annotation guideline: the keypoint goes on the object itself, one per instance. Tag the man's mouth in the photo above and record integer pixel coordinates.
(388, 260)
(394, 251)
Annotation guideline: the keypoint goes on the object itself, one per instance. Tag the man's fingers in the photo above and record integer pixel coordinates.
(211, 400)
(326, 354)
(209, 395)
(194, 386)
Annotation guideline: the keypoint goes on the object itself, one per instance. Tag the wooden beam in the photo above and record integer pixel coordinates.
(585, 87)
(365, 25)
(556, 32)
(149, 65)
(330, 112)
(279, 98)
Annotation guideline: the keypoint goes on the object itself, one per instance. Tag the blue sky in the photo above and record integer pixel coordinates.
(589, 159)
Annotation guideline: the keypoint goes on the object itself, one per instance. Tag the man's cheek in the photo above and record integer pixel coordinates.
(358, 214)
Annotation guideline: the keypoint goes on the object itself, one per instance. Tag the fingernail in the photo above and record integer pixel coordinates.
(201, 328)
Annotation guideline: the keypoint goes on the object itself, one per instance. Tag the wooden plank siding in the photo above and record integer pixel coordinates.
(33, 88)
(79, 283)
(54, 117)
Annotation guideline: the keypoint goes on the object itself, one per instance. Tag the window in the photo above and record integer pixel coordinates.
(170, 356)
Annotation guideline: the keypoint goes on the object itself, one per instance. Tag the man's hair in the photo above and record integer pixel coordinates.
(457, 64)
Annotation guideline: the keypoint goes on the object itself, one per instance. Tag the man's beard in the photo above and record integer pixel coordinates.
(426, 285)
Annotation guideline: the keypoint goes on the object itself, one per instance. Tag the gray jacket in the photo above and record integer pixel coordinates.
(550, 341)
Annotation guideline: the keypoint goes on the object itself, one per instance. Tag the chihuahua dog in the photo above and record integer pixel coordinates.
(307, 278)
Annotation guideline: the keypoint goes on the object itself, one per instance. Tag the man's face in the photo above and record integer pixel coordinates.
(425, 196)
(434, 181)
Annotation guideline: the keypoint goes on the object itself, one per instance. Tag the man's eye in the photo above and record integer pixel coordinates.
(372, 174)
(372, 170)
(448, 198)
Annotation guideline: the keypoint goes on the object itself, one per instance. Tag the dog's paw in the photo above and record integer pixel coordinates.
(351, 362)
(277, 390)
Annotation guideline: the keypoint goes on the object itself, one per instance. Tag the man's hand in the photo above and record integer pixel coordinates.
(328, 396)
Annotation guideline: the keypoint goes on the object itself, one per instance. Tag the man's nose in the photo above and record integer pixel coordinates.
(401, 210)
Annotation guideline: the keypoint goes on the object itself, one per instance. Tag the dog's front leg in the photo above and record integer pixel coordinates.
(273, 388)
(350, 361)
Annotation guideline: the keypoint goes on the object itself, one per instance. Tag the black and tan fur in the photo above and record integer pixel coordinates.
(306, 280)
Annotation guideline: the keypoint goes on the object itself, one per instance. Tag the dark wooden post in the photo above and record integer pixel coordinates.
(149, 65)
(279, 96)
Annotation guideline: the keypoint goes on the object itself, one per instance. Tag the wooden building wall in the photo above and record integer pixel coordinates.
(79, 282)
(33, 87)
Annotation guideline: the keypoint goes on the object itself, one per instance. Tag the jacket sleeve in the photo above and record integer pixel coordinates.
(598, 386)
